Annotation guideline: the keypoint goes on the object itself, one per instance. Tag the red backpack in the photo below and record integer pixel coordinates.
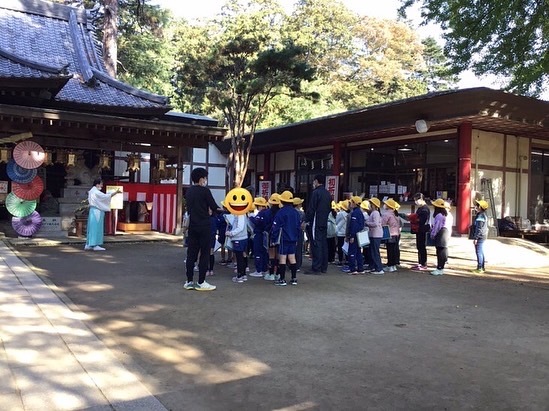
(414, 223)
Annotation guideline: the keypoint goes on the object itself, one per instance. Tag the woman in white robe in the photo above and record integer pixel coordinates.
(99, 202)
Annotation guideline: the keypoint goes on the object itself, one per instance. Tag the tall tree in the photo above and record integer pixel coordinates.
(238, 68)
(508, 38)
(145, 51)
(361, 60)
(437, 73)
(110, 35)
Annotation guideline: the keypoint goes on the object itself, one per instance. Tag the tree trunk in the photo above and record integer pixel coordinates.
(110, 34)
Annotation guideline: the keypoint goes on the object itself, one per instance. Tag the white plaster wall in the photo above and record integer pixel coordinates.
(517, 147)
(215, 156)
(510, 204)
(285, 160)
(490, 148)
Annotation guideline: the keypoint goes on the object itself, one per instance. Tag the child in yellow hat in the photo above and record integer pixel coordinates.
(391, 219)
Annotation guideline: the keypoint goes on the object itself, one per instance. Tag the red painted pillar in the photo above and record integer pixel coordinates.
(463, 207)
(336, 169)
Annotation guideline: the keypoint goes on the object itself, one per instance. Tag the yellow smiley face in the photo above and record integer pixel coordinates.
(238, 201)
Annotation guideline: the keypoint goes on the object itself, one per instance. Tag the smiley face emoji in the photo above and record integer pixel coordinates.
(238, 201)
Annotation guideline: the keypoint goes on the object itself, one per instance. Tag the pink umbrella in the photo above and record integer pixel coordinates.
(29, 154)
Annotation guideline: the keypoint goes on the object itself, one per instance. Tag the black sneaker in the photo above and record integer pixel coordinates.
(280, 282)
(293, 281)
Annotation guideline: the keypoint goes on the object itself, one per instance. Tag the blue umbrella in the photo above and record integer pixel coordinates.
(20, 174)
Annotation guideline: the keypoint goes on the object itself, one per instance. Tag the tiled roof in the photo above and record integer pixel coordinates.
(43, 41)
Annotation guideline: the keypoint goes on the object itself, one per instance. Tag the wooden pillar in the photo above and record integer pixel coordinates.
(463, 207)
(337, 159)
(267, 166)
(179, 192)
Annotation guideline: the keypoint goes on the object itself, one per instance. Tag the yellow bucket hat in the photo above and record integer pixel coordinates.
(392, 204)
(365, 205)
(439, 203)
(261, 202)
(482, 204)
(298, 201)
(287, 197)
(375, 201)
(356, 199)
(274, 199)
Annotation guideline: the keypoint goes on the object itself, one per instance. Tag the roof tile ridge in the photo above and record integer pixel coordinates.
(104, 77)
(63, 70)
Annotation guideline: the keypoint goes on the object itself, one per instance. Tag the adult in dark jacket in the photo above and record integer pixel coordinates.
(424, 215)
(316, 217)
(199, 201)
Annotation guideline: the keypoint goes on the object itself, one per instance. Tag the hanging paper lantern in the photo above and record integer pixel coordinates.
(134, 162)
(105, 161)
(71, 159)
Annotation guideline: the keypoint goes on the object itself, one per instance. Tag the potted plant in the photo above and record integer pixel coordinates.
(80, 220)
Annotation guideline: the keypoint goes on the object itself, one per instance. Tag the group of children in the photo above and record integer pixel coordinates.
(273, 233)
(383, 224)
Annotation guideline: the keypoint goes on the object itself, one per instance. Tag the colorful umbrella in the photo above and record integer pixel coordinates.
(28, 191)
(29, 154)
(19, 207)
(27, 226)
(20, 174)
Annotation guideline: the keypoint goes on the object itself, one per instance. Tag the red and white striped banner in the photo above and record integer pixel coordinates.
(163, 213)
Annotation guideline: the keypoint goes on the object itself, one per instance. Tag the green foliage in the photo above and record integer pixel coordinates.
(237, 67)
(144, 49)
(437, 72)
(508, 38)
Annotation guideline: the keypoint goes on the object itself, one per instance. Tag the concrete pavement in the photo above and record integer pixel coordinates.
(51, 360)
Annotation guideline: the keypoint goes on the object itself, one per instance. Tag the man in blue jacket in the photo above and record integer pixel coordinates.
(316, 216)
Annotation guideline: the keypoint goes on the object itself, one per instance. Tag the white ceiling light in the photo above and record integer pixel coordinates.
(422, 126)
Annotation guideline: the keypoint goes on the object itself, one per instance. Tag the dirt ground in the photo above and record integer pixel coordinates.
(405, 340)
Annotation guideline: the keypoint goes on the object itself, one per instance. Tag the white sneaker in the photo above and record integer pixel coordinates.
(381, 272)
(391, 269)
(97, 248)
(87, 247)
(189, 285)
(204, 287)
(269, 277)
(256, 274)
(437, 272)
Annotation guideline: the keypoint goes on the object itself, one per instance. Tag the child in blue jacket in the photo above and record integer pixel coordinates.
(284, 233)
(261, 222)
(356, 224)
